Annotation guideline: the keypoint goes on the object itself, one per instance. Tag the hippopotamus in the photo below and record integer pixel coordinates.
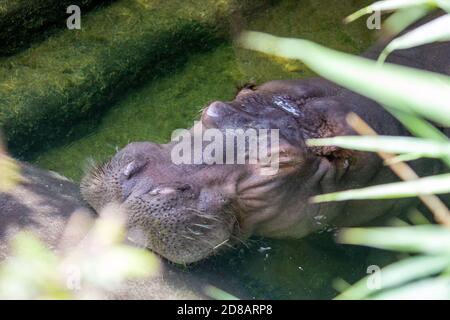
(45, 203)
(190, 211)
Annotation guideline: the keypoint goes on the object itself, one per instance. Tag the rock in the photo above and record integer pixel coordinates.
(44, 203)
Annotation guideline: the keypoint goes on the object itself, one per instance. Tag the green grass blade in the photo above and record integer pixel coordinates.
(403, 18)
(390, 144)
(430, 239)
(418, 218)
(218, 294)
(436, 30)
(429, 289)
(437, 184)
(443, 4)
(420, 128)
(421, 92)
(385, 6)
(398, 273)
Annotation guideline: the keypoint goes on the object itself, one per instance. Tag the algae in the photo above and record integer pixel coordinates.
(24, 21)
(77, 73)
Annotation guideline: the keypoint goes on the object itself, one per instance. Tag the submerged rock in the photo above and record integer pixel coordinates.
(44, 203)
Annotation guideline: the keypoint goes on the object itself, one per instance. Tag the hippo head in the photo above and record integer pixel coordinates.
(184, 211)
(190, 211)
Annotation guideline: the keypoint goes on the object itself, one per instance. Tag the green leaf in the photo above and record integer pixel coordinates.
(403, 18)
(10, 173)
(30, 272)
(397, 222)
(121, 262)
(443, 4)
(437, 184)
(420, 128)
(417, 218)
(385, 6)
(414, 91)
(429, 289)
(430, 239)
(390, 144)
(218, 294)
(396, 274)
(436, 30)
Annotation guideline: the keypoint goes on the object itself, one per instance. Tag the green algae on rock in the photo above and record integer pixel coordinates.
(22, 21)
(74, 74)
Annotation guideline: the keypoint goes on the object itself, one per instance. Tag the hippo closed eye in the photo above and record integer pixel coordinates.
(189, 211)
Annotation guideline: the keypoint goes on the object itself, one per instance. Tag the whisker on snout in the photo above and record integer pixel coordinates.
(197, 233)
(221, 244)
(203, 215)
(204, 226)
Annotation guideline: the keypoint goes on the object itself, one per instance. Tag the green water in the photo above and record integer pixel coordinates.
(289, 269)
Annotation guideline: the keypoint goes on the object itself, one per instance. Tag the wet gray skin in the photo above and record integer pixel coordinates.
(186, 213)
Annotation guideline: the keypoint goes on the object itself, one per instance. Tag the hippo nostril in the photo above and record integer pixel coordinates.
(215, 108)
(214, 112)
(161, 191)
(129, 169)
(133, 167)
(184, 188)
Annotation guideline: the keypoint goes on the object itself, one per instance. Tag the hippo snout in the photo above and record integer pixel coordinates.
(180, 220)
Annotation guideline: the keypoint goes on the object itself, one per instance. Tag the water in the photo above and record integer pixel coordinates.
(267, 268)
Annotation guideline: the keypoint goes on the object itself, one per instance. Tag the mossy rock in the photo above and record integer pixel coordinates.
(22, 21)
(74, 74)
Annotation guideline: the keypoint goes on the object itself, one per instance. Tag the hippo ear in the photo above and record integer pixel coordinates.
(327, 118)
(246, 88)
